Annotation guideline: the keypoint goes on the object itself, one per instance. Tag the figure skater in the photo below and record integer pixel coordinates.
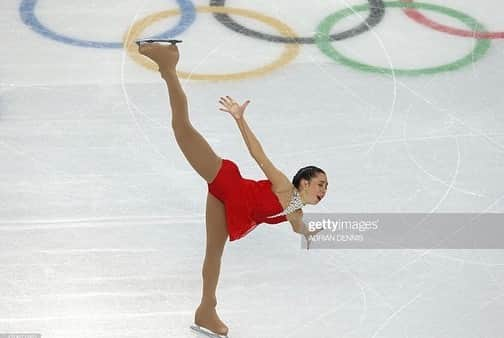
(234, 205)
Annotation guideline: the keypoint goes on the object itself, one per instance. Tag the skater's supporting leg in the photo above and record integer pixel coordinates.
(216, 237)
(194, 147)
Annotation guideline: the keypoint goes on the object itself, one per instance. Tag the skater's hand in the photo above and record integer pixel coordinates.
(236, 110)
(308, 235)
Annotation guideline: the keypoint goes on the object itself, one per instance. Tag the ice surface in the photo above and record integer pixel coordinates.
(102, 220)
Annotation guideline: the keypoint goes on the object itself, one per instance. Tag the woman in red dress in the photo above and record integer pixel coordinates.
(234, 205)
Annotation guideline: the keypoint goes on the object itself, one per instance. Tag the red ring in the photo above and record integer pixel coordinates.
(422, 19)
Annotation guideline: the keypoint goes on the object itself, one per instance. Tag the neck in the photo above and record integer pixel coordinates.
(301, 196)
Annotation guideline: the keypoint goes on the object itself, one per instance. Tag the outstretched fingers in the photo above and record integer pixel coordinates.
(228, 102)
(233, 108)
(225, 104)
(224, 101)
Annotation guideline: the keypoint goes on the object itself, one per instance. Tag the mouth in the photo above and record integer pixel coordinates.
(319, 198)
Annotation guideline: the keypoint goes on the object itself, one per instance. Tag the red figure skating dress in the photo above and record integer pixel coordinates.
(247, 202)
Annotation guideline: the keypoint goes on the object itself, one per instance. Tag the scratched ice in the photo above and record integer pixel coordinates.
(102, 228)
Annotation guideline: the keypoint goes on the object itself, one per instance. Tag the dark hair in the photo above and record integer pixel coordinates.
(307, 173)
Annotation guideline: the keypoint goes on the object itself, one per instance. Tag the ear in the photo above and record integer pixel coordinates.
(305, 183)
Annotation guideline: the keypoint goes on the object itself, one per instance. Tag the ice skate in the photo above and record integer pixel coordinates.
(165, 56)
(207, 321)
(207, 332)
(171, 41)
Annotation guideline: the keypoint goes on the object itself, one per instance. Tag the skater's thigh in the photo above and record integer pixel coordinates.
(216, 226)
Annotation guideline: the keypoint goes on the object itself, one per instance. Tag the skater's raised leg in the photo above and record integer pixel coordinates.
(194, 147)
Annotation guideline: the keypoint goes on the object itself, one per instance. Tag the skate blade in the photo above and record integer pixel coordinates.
(173, 42)
(207, 332)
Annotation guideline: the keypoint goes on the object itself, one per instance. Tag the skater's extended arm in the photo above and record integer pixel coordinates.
(278, 179)
(299, 227)
(253, 145)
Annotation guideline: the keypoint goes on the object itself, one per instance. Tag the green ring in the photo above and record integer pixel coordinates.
(324, 43)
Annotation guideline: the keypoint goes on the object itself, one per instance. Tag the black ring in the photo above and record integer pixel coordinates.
(376, 13)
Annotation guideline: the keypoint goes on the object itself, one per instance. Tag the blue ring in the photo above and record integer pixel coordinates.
(27, 12)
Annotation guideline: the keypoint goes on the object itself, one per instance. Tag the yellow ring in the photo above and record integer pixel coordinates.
(290, 52)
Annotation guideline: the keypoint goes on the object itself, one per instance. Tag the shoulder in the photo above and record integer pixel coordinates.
(280, 184)
(283, 192)
(279, 181)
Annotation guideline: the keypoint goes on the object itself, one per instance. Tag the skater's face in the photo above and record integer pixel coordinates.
(315, 189)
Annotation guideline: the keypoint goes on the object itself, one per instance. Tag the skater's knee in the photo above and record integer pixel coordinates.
(181, 126)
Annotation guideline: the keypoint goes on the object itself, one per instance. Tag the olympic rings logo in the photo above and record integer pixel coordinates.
(286, 35)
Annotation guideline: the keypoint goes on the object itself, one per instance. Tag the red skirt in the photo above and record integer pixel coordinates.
(247, 202)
